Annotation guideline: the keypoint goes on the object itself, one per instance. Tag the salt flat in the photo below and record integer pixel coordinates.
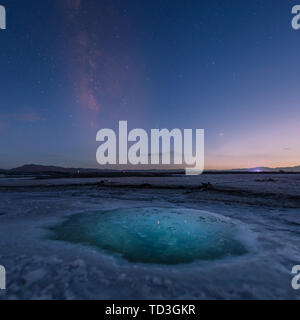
(39, 267)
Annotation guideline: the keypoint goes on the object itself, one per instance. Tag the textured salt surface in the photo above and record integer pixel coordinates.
(47, 269)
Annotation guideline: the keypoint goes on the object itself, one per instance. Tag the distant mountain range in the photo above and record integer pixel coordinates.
(33, 168)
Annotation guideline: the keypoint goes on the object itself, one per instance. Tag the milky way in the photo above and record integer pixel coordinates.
(99, 69)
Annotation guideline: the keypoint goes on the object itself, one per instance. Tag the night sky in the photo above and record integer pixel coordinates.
(71, 67)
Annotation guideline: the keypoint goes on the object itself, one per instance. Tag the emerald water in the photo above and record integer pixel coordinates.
(155, 235)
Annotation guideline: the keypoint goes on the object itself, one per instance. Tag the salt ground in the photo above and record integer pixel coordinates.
(41, 268)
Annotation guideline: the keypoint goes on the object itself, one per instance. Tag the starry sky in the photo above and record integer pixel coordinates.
(71, 67)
